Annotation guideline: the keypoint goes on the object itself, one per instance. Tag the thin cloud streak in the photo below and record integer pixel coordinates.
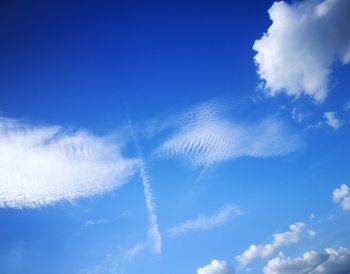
(206, 222)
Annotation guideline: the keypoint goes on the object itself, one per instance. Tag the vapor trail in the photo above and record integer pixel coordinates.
(154, 236)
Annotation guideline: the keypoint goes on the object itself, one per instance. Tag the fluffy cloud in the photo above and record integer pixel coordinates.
(205, 222)
(44, 165)
(216, 267)
(207, 137)
(303, 41)
(332, 120)
(332, 261)
(279, 239)
(341, 195)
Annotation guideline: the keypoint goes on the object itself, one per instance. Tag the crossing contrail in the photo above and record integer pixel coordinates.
(154, 236)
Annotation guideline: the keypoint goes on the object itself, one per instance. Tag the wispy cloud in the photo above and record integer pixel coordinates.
(347, 105)
(114, 261)
(279, 239)
(212, 138)
(206, 222)
(332, 120)
(135, 250)
(42, 165)
(96, 222)
(331, 261)
(294, 56)
(342, 195)
(298, 115)
(200, 113)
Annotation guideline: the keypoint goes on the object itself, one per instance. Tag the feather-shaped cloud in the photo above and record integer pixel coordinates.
(44, 165)
(210, 138)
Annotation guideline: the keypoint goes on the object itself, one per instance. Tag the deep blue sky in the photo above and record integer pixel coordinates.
(78, 62)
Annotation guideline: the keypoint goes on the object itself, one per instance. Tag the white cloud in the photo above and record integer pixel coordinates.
(201, 113)
(346, 203)
(318, 125)
(153, 230)
(332, 120)
(205, 222)
(332, 261)
(210, 138)
(311, 232)
(279, 239)
(42, 165)
(95, 222)
(135, 250)
(113, 261)
(216, 267)
(154, 236)
(341, 195)
(303, 41)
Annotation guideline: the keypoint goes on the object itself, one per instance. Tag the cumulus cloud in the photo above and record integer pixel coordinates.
(331, 261)
(279, 239)
(216, 267)
(210, 138)
(42, 165)
(332, 120)
(341, 195)
(206, 222)
(304, 40)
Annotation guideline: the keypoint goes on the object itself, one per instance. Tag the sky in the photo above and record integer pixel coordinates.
(199, 137)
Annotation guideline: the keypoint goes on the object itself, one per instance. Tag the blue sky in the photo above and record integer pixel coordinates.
(207, 137)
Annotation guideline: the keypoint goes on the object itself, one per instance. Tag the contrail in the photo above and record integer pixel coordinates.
(153, 230)
(154, 236)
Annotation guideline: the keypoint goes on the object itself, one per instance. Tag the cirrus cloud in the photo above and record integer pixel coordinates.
(207, 137)
(206, 222)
